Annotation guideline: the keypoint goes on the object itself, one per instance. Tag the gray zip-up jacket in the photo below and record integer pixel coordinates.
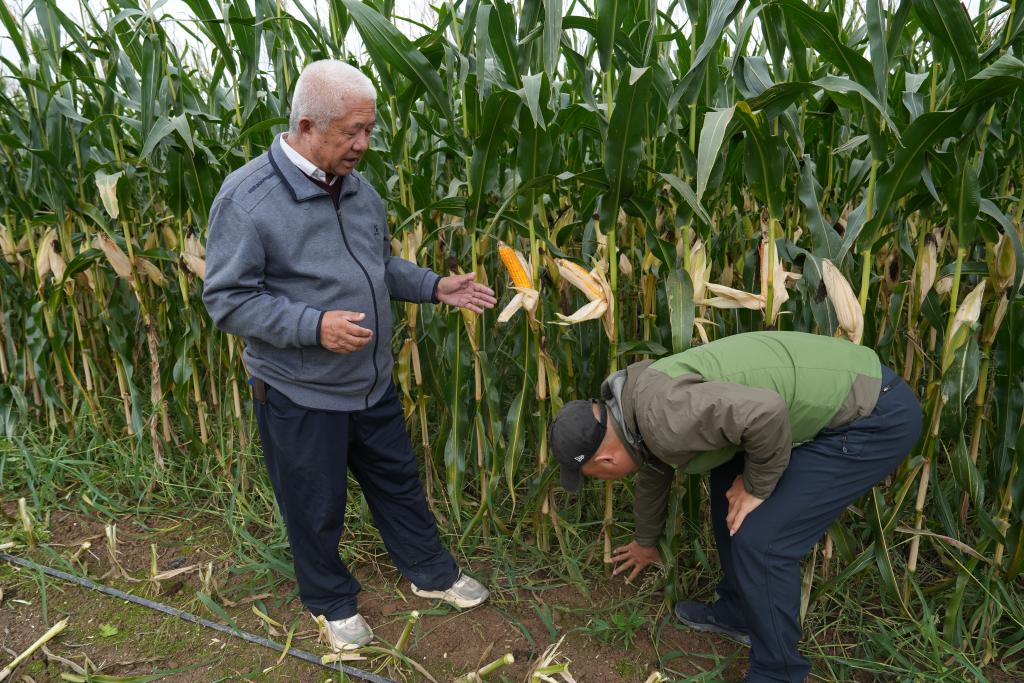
(278, 256)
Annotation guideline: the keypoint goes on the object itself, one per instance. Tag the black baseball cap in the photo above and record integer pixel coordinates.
(574, 436)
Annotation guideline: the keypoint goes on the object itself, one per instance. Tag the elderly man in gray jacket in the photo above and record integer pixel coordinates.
(299, 264)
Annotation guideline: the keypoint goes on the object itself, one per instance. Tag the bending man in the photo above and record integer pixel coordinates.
(793, 428)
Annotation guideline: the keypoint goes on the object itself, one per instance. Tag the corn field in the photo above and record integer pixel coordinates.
(653, 175)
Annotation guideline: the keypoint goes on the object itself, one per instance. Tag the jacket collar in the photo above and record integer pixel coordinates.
(616, 392)
(298, 183)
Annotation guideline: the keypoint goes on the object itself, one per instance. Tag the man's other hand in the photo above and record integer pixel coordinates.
(340, 333)
(464, 292)
(741, 504)
(636, 556)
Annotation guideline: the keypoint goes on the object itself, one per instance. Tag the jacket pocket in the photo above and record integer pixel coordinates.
(349, 373)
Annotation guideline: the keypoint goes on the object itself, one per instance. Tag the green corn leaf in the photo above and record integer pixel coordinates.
(499, 112)
(515, 436)
(965, 471)
(722, 12)
(390, 49)
(679, 290)
(623, 148)
(879, 49)
(502, 33)
(610, 14)
(552, 35)
(951, 33)
(966, 197)
(712, 133)
(688, 195)
(764, 158)
(882, 551)
(920, 136)
(827, 241)
(821, 31)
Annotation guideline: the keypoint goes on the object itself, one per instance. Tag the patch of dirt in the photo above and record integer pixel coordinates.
(121, 638)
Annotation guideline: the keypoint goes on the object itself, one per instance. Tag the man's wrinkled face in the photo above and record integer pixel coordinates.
(338, 149)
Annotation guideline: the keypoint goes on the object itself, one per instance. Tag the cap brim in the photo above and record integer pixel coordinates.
(570, 479)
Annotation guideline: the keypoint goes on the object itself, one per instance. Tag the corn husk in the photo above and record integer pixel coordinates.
(844, 301)
(700, 269)
(1002, 263)
(194, 256)
(115, 256)
(48, 258)
(944, 285)
(149, 269)
(925, 270)
(969, 311)
(728, 297)
(625, 267)
(595, 288)
(8, 249)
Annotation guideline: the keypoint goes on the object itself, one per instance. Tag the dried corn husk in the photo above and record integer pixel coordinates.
(925, 269)
(595, 288)
(844, 301)
(48, 258)
(117, 258)
(194, 256)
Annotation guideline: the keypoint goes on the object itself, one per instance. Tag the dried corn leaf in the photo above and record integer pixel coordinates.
(107, 185)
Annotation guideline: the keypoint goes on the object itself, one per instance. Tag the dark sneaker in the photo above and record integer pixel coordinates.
(699, 617)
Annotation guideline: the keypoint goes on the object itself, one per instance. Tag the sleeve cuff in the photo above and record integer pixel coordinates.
(433, 291)
(319, 324)
(645, 542)
(309, 327)
(761, 492)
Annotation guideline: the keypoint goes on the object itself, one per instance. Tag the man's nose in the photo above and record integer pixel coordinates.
(362, 142)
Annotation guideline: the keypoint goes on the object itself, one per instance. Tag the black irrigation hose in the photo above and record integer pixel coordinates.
(250, 637)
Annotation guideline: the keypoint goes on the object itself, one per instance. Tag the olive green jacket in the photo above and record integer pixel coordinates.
(761, 393)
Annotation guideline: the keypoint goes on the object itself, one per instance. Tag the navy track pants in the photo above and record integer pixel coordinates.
(761, 587)
(308, 455)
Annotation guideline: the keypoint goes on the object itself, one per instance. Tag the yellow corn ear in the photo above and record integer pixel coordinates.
(514, 266)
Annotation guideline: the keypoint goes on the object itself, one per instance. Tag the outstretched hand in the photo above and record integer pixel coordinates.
(633, 556)
(464, 292)
(741, 504)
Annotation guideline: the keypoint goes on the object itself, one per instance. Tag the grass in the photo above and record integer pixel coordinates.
(850, 632)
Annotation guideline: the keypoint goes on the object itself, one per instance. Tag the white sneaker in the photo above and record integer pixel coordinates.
(465, 592)
(346, 634)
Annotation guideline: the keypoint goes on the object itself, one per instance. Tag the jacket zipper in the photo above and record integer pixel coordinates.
(373, 298)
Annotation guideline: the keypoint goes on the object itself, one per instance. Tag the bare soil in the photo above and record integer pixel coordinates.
(118, 638)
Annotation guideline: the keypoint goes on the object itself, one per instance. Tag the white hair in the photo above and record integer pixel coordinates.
(323, 90)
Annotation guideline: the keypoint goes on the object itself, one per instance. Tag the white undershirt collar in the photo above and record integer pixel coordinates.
(304, 164)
